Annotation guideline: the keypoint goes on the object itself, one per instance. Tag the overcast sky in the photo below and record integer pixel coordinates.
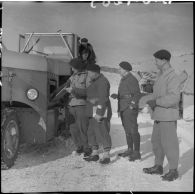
(117, 33)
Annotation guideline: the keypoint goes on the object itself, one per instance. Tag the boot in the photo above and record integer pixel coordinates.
(156, 169)
(79, 150)
(93, 157)
(126, 153)
(87, 152)
(135, 156)
(105, 161)
(171, 175)
(106, 158)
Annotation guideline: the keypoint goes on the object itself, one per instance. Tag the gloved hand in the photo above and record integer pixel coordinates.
(93, 100)
(152, 104)
(114, 96)
(69, 89)
(133, 105)
(98, 118)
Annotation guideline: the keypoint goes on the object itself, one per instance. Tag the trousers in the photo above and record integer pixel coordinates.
(79, 125)
(98, 134)
(165, 143)
(129, 122)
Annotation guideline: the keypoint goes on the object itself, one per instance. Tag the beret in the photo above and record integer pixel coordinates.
(84, 40)
(162, 54)
(126, 65)
(93, 68)
(77, 64)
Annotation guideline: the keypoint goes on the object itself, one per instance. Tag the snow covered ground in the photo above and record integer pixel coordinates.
(72, 173)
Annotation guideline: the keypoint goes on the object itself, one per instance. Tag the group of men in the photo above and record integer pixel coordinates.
(90, 109)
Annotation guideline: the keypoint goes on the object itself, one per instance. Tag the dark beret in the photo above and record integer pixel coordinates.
(84, 40)
(163, 55)
(77, 64)
(126, 65)
(93, 68)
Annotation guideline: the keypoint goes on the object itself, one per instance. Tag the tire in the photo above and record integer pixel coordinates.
(10, 137)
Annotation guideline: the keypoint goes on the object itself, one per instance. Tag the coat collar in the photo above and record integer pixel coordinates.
(99, 76)
(166, 72)
(80, 72)
(126, 76)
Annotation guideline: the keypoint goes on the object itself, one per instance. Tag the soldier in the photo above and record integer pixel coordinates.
(99, 112)
(77, 108)
(128, 98)
(165, 105)
(85, 45)
(85, 57)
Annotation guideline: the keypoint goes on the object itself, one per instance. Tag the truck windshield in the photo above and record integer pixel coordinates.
(54, 45)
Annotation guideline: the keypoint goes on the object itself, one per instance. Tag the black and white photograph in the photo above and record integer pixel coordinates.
(97, 96)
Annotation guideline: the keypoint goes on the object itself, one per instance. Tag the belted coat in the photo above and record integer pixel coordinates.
(128, 92)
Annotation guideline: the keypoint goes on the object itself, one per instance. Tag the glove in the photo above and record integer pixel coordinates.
(98, 118)
(133, 105)
(152, 104)
(93, 100)
(69, 89)
(114, 96)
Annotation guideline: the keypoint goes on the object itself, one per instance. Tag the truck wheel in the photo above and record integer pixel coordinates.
(9, 140)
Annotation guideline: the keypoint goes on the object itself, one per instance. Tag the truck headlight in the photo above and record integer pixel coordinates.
(32, 94)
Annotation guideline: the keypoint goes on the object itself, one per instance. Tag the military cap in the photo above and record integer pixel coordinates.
(126, 65)
(93, 68)
(163, 55)
(77, 64)
(84, 40)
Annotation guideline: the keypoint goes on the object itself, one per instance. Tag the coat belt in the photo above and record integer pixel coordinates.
(126, 96)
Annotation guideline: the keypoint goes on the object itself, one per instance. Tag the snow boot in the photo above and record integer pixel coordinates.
(105, 161)
(126, 153)
(92, 158)
(156, 169)
(106, 158)
(87, 152)
(79, 150)
(135, 156)
(171, 175)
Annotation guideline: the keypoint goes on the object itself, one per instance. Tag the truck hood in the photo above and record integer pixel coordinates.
(34, 62)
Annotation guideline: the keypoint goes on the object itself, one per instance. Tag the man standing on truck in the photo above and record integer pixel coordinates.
(165, 105)
(77, 107)
(87, 46)
(85, 57)
(128, 98)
